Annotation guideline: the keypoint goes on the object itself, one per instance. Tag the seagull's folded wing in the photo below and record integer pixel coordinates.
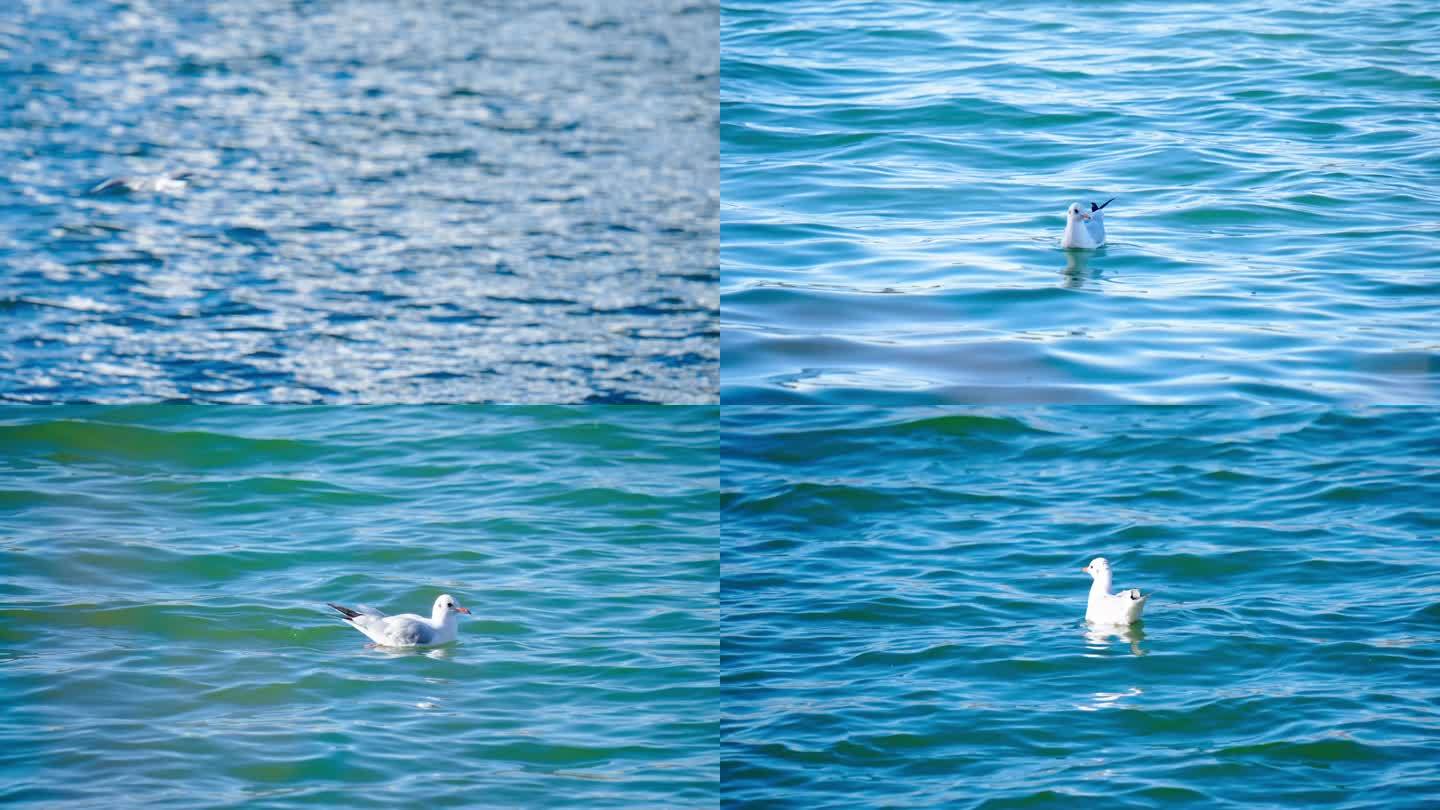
(402, 630)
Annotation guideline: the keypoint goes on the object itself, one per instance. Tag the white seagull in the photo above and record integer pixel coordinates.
(1085, 229)
(160, 184)
(407, 629)
(1111, 608)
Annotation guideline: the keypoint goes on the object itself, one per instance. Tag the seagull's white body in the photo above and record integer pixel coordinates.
(1111, 608)
(1084, 229)
(160, 183)
(408, 629)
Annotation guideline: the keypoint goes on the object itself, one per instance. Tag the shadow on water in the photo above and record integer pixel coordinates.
(1098, 636)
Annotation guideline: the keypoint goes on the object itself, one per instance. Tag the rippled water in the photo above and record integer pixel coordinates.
(164, 640)
(390, 201)
(895, 177)
(903, 601)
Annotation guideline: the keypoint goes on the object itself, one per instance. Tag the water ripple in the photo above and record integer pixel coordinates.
(902, 603)
(894, 179)
(437, 203)
(164, 637)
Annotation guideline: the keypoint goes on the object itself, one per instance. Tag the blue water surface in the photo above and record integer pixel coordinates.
(895, 175)
(388, 201)
(165, 643)
(903, 608)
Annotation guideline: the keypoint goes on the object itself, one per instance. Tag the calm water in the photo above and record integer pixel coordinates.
(164, 640)
(895, 177)
(903, 606)
(390, 201)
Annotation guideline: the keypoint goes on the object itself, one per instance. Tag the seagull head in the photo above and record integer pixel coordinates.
(1099, 568)
(1078, 211)
(445, 604)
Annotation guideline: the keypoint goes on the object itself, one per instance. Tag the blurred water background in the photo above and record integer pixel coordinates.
(895, 177)
(903, 607)
(388, 201)
(164, 640)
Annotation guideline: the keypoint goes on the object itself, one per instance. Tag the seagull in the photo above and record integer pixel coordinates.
(160, 183)
(407, 629)
(1111, 608)
(1085, 229)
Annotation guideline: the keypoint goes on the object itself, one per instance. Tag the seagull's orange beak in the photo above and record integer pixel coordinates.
(459, 609)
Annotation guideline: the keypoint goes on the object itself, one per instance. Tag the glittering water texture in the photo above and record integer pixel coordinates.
(895, 175)
(903, 601)
(389, 201)
(164, 640)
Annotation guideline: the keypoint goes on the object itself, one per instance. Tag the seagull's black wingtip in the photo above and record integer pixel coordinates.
(1094, 207)
(347, 612)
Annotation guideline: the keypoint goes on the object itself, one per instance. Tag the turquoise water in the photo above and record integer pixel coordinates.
(894, 178)
(389, 201)
(903, 605)
(164, 640)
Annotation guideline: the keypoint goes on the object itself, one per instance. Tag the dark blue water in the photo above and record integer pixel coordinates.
(390, 201)
(903, 608)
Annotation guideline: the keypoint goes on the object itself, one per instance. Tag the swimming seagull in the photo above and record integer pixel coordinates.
(1085, 229)
(407, 629)
(1111, 608)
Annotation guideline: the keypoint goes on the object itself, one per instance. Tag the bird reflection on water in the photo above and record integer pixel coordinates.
(1077, 270)
(1098, 636)
(1109, 700)
(436, 653)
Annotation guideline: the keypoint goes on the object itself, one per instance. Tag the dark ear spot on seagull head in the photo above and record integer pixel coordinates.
(449, 603)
